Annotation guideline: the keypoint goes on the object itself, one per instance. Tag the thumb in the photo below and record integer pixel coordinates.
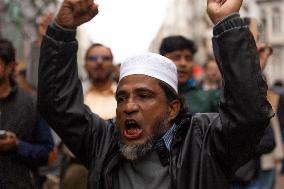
(95, 8)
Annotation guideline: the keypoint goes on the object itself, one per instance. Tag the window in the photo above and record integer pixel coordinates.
(263, 26)
(276, 21)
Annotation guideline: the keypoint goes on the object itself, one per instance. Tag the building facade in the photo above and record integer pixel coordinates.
(186, 18)
(189, 18)
(271, 17)
(18, 22)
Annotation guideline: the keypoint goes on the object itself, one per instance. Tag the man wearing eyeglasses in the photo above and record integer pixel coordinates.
(99, 89)
(99, 93)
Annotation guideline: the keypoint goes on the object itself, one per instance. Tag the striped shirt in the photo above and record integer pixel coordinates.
(168, 136)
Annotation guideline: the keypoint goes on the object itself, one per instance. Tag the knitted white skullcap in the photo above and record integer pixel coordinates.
(153, 65)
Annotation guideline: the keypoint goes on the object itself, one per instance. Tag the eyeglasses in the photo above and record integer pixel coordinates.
(97, 58)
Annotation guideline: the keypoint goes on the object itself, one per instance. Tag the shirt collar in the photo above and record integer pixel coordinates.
(168, 136)
(163, 145)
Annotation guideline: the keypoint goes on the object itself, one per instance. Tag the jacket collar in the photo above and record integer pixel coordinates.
(182, 130)
(178, 136)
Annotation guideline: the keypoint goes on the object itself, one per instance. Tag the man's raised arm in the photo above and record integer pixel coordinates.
(60, 96)
(244, 109)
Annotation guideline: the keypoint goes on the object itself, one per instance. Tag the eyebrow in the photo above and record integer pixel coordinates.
(142, 89)
(138, 90)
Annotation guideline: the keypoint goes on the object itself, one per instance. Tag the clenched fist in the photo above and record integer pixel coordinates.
(219, 9)
(73, 13)
(10, 143)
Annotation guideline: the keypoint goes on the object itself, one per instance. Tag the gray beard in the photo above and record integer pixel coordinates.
(136, 151)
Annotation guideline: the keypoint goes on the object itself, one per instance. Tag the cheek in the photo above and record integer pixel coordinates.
(149, 127)
(178, 64)
(152, 119)
(89, 66)
(158, 127)
(108, 67)
(189, 66)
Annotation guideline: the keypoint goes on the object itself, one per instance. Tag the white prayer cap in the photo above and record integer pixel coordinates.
(153, 65)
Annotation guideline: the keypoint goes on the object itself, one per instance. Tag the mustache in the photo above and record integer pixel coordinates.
(99, 67)
(182, 70)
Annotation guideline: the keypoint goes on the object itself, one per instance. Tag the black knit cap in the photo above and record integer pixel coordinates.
(7, 51)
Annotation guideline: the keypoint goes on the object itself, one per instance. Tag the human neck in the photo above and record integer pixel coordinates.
(102, 85)
(5, 89)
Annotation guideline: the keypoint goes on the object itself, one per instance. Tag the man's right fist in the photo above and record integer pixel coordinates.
(73, 13)
(218, 9)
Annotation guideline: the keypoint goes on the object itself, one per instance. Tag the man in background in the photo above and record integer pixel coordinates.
(99, 93)
(212, 77)
(100, 87)
(26, 139)
(181, 51)
(154, 142)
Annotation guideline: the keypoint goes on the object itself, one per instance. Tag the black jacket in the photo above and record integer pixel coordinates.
(251, 169)
(206, 149)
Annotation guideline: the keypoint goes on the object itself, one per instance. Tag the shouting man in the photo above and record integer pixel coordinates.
(154, 142)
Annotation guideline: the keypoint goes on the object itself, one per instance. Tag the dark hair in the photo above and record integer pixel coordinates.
(177, 42)
(96, 45)
(7, 51)
(172, 95)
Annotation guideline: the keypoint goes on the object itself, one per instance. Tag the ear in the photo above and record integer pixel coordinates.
(174, 108)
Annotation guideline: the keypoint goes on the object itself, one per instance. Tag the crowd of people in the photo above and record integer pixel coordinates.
(147, 122)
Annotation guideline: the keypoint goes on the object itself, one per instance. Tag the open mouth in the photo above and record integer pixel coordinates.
(132, 130)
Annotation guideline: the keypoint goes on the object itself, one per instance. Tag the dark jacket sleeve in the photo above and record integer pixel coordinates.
(280, 111)
(244, 109)
(267, 142)
(60, 98)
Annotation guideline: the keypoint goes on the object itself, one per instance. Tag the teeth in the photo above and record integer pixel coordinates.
(131, 122)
